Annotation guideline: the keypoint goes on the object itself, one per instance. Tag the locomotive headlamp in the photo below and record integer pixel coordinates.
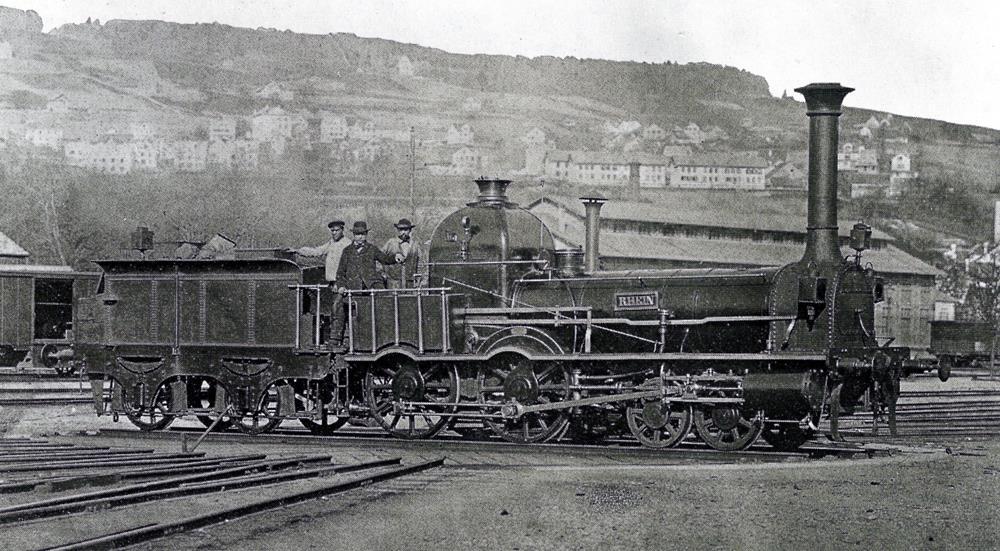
(861, 237)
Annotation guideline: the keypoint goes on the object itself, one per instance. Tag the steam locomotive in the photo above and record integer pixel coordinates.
(508, 334)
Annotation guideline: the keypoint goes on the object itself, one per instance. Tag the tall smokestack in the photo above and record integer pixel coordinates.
(634, 191)
(996, 223)
(823, 103)
(593, 204)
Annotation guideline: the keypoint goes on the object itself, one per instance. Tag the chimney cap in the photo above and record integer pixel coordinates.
(593, 196)
(824, 98)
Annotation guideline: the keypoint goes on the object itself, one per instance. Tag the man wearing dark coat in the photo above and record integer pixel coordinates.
(357, 271)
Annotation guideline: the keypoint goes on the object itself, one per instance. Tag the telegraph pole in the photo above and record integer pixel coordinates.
(413, 174)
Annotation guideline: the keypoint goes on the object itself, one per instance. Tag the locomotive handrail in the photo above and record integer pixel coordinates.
(626, 321)
(418, 293)
(487, 262)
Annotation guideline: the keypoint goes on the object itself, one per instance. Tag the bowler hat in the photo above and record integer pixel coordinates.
(360, 227)
(336, 224)
(403, 224)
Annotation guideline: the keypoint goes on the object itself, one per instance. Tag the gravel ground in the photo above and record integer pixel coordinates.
(916, 500)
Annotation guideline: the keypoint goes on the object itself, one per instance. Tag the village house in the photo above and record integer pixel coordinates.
(720, 171)
(654, 133)
(189, 155)
(459, 136)
(110, 157)
(901, 174)
(144, 155)
(273, 124)
(605, 168)
(222, 129)
(467, 161)
(332, 127)
(45, 137)
(472, 105)
(535, 136)
(6, 51)
(233, 154)
(404, 67)
(361, 131)
(275, 91)
(142, 131)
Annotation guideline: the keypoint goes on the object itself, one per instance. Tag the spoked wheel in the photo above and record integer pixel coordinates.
(401, 379)
(328, 421)
(264, 417)
(659, 424)
(786, 437)
(724, 428)
(517, 378)
(151, 416)
(201, 394)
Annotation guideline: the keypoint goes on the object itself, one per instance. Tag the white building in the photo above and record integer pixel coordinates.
(222, 129)
(45, 137)
(459, 136)
(275, 91)
(332, 128)
(273, 124)
(404, 66)
(107, 157)
(719, 171)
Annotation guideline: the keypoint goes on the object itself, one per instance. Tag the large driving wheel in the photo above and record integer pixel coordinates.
(786, 437)
(149, 416)
(264, 417)
(400, 379)
(724, 428)
(513, 377)
(659, 424)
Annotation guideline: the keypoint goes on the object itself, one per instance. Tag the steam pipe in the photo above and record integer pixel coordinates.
(823, 104)
(593, 224)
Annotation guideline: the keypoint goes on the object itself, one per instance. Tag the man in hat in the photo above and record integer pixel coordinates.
(333, 249)
(398, 275)
(357, 271)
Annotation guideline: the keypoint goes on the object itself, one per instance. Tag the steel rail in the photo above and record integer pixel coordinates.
(75, 503)
(148, 533)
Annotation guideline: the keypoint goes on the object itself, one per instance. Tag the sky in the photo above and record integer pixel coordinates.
(921, 58)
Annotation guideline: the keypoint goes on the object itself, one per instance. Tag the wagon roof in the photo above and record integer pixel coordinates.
(55, 270)
(200, 265)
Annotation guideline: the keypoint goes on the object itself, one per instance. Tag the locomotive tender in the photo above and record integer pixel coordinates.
(509, 333)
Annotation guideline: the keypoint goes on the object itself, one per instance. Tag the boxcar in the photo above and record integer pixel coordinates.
(38, 314)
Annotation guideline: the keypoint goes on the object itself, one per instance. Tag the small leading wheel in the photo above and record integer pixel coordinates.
(329, 422)
(400, 379)
(723, 427)
(785, 437)
(529, 383)
(264, 418)
(658, 424)
(151, 416)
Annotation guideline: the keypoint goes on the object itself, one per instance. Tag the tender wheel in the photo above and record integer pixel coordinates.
(401, 379)
(724, 428)
(329, 421)
(201, 395)
(657, 424)
(264, 418)
(785, 437)
(517, 378)
(151, 416)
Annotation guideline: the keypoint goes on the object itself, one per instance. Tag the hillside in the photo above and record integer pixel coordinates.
(181, 78)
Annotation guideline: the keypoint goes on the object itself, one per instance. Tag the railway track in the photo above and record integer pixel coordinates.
(44, 392)
(458, 448)
(89, 497)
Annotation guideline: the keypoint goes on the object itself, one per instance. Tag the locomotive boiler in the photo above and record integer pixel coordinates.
(508, 333)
